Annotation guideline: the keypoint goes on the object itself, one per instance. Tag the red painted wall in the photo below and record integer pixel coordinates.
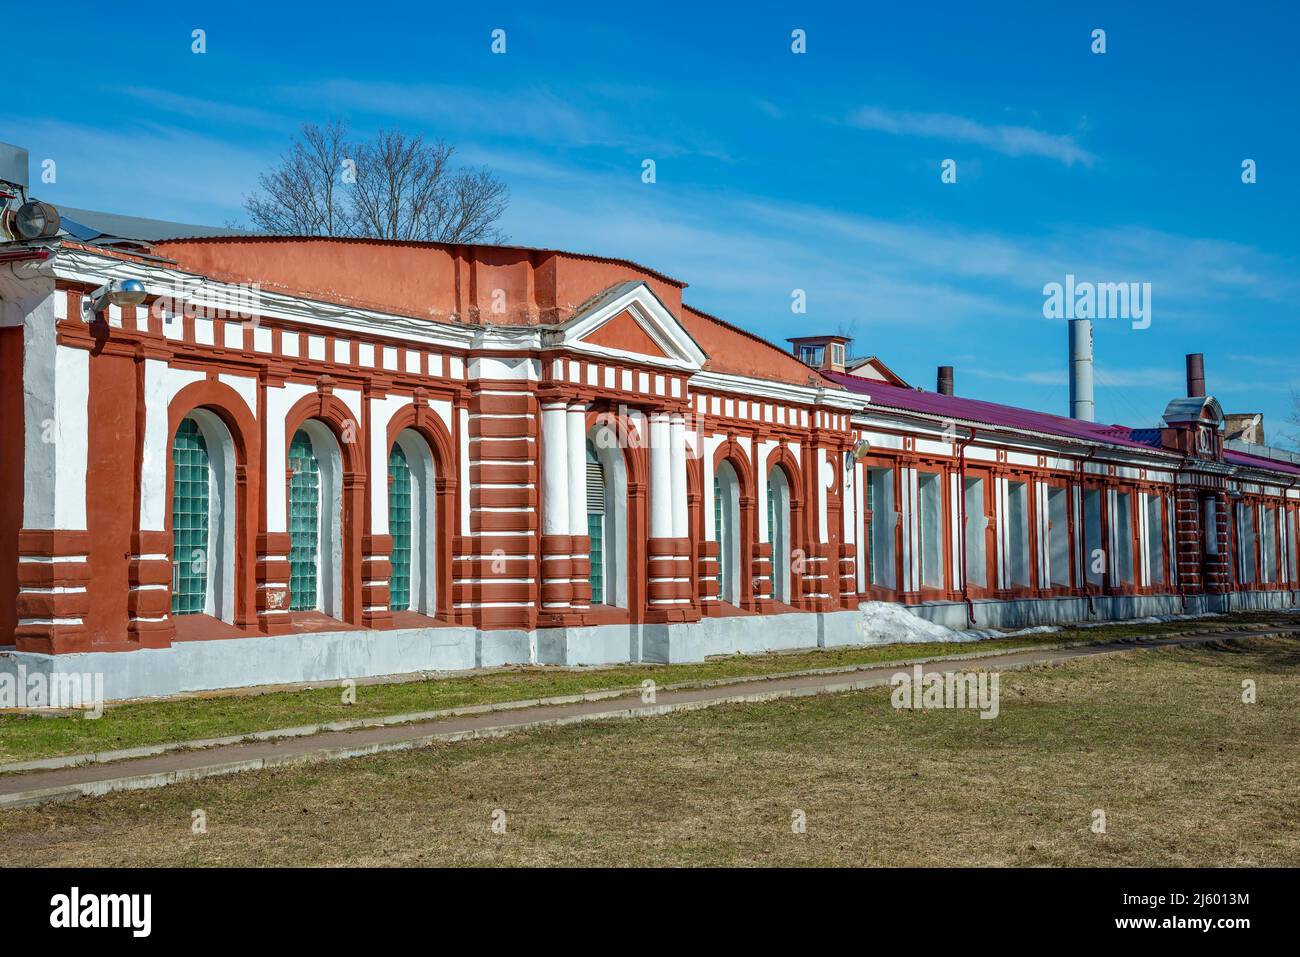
(111, 493)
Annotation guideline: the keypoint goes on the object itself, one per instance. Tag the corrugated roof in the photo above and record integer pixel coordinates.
(1259, 462)
(991, 413)
(88, 225)
(1007, 416)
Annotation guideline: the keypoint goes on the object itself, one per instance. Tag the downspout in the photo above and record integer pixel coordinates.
(961, 524)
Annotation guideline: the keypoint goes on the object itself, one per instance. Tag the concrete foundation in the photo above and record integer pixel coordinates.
(1026, 613)
(333, 656)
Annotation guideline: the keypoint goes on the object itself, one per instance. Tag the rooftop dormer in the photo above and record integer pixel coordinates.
(823, 353)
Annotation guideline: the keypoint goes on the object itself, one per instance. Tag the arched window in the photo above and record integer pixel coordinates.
(315, 520)
(778, 531)
(607, 516)
(203, 517)
(412, 483)
(726, 526)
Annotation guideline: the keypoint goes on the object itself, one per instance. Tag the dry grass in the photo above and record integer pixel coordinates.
(213, 715)
(1160, 740)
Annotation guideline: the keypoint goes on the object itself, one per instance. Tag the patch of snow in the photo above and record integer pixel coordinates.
(1149, 620)
(884, 623)
(995, 633)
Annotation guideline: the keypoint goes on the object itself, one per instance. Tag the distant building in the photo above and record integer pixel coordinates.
(1244, 427)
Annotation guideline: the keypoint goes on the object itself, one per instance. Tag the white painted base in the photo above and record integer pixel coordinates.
(1028, 612)
(332, 656)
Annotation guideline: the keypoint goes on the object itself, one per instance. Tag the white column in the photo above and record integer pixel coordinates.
(56, 416)
(661, 477)
(577, 425)
(555, 469)
(677, 435)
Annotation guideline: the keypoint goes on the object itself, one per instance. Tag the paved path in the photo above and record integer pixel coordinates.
(39, 787)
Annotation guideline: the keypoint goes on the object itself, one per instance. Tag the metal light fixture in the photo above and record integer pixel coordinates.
(35, 220)
(119, 292)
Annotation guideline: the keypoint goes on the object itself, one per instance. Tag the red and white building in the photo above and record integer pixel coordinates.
(306, 459)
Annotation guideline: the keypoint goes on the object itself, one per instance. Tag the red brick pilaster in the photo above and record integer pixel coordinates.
(273, 582)
(149, 602)
(376, 581)
(53, 596)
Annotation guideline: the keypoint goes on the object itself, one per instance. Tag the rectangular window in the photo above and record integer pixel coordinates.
(930, 505)
(1268, 546)
(1094, 547)
(812, 355)
(884, 519)
(1018, 534)
(1058, 535)
(1123, 525)
(1246, 543)
(976, 524)
(1155, 542)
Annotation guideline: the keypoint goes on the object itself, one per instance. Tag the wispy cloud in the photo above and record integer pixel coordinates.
(208, 111)
(1001, 138)
(599, 117)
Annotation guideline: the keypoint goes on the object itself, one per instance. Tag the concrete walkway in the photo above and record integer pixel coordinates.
(67, 783)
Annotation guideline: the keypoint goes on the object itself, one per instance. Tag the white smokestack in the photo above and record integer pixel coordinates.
(1082, 405)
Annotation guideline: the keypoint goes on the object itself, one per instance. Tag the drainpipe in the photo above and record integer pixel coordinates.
(961, 524)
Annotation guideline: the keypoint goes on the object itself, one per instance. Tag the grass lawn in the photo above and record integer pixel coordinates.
(24, 737)
(1158, 739)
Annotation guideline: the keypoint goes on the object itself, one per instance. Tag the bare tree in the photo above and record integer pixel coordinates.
(305, 195)
(1293, 436)
(394, 187)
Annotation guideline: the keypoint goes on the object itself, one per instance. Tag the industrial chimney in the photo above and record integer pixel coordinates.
(1195, 375)
(1082, 405)
(944, 385)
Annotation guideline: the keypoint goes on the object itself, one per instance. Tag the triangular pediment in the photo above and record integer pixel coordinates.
(630, 322)
(625, 333)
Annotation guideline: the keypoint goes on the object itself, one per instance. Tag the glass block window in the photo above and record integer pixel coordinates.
(596, 524)
(304, 523)
(399, 526)
(189, 520)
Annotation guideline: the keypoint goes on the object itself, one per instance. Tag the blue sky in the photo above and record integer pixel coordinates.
(775, 171)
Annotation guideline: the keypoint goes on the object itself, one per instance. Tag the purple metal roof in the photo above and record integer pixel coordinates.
(990, 413)
(1259, 462)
